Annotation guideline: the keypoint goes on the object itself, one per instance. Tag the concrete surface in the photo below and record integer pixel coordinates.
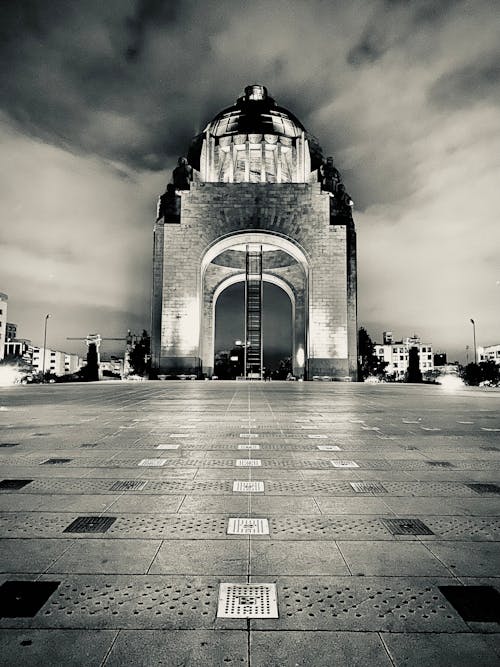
(145, 591)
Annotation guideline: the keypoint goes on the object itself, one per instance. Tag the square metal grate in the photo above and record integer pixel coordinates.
(440, 464)
(328, 448)
(368, 487)
(152, 463)
(344, 464)
(247, 601)
(474, 603)
(406, 527)
(247, 526)
(249, 435)
(317, 436)
(90, 524)
(482, 488)
(53, 462)
(24, 598)
(167, 446)
(128, 485)
(14, 484)
(9, 444)
(242, 486)
(250, 446)
(248, 463)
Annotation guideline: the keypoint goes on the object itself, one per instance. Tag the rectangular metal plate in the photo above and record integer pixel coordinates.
(406, 527)
(328, 448)
(89, 444)
(90, 524)
(247, 526)
(310, 427)
(248, 463)
(248, 446)
(344, 464)
(128, 485)
(440, 464)
(242, 486)
(152, 463)
(368, 487)
(9, 444)
(167, 446)
(14, 484)
(479, 604)
(249, 435)
(247, 601)
(179, 435)
(23, 599)
(481, 488)
(317, 436)
(53, 462)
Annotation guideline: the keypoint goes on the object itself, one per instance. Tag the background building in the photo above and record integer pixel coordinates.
(3, 322)
(255, 202)
(10, 331)
(395, 353)
(489, 353)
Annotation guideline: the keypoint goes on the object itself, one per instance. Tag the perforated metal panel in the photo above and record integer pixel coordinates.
(344, 464)
(242, 486)
(248, 463)
(128, 485)
(439, 464)
(368, 487)
(54, 461)
(247, 601)
(247, 526)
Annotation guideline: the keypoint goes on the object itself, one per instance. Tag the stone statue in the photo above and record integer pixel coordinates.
(182, 174)
(330, 176)
(344, 202)
(167, 204)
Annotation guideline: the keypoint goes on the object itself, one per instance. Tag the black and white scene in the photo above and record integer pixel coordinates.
(249, 333)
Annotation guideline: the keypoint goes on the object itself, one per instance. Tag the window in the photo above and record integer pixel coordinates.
(401, 357)
(395, 364)
(395, 349)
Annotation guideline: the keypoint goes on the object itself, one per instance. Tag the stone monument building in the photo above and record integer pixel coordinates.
(255, 201)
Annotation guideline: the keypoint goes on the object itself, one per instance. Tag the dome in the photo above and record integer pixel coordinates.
(255, 118)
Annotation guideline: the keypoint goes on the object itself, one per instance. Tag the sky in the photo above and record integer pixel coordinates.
(98, 99)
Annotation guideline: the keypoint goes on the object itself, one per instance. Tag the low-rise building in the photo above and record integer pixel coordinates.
(396, 354)
(18, 348)
(48, 361)
(489, 353)
(10, 331)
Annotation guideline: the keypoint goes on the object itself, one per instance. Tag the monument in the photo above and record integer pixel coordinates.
(255, 201)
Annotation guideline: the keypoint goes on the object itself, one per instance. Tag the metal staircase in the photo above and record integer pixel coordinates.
(253, 313)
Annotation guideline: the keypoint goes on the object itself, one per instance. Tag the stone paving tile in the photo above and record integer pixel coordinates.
(391, 559)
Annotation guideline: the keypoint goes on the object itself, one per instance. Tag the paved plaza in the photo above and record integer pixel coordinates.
(263, 524)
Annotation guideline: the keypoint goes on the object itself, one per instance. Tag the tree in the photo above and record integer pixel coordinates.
(486, 371)
(368, 362)
(140, 355)
(92, 368)
(413, 374)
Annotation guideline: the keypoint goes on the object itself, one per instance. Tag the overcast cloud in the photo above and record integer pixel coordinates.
(98, 99)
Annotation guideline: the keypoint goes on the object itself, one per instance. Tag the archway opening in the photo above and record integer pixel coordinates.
(277, 329)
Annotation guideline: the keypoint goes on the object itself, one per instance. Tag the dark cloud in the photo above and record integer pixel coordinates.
(468, 85)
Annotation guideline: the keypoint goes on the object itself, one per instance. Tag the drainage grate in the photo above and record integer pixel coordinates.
(128, 485)
(490, 449)
(249, 435)
(344, 464)
(439, 464)
(89, 444)
(248, 446)
(24, 598)
(9, 444)
(474, 603)
(14, 484)
(242, 486)
(90, 524)
(406, 527)
(152, 463)
(54, 461)
(368, 487)
(248, 463)
(317, 436)
(167, 446)
(179, 435)
(247, 526)
(247, 601)
(329, 448)
(484, 488)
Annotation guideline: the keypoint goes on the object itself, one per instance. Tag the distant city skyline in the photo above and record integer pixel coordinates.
(99, 99)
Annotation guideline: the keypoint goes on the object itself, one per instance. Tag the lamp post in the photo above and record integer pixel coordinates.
(474, 334)
(44, 346)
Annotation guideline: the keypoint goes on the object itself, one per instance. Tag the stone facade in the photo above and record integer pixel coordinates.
(311, 255)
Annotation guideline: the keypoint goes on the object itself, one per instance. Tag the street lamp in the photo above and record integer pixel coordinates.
(474, 333)
(44, 346)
